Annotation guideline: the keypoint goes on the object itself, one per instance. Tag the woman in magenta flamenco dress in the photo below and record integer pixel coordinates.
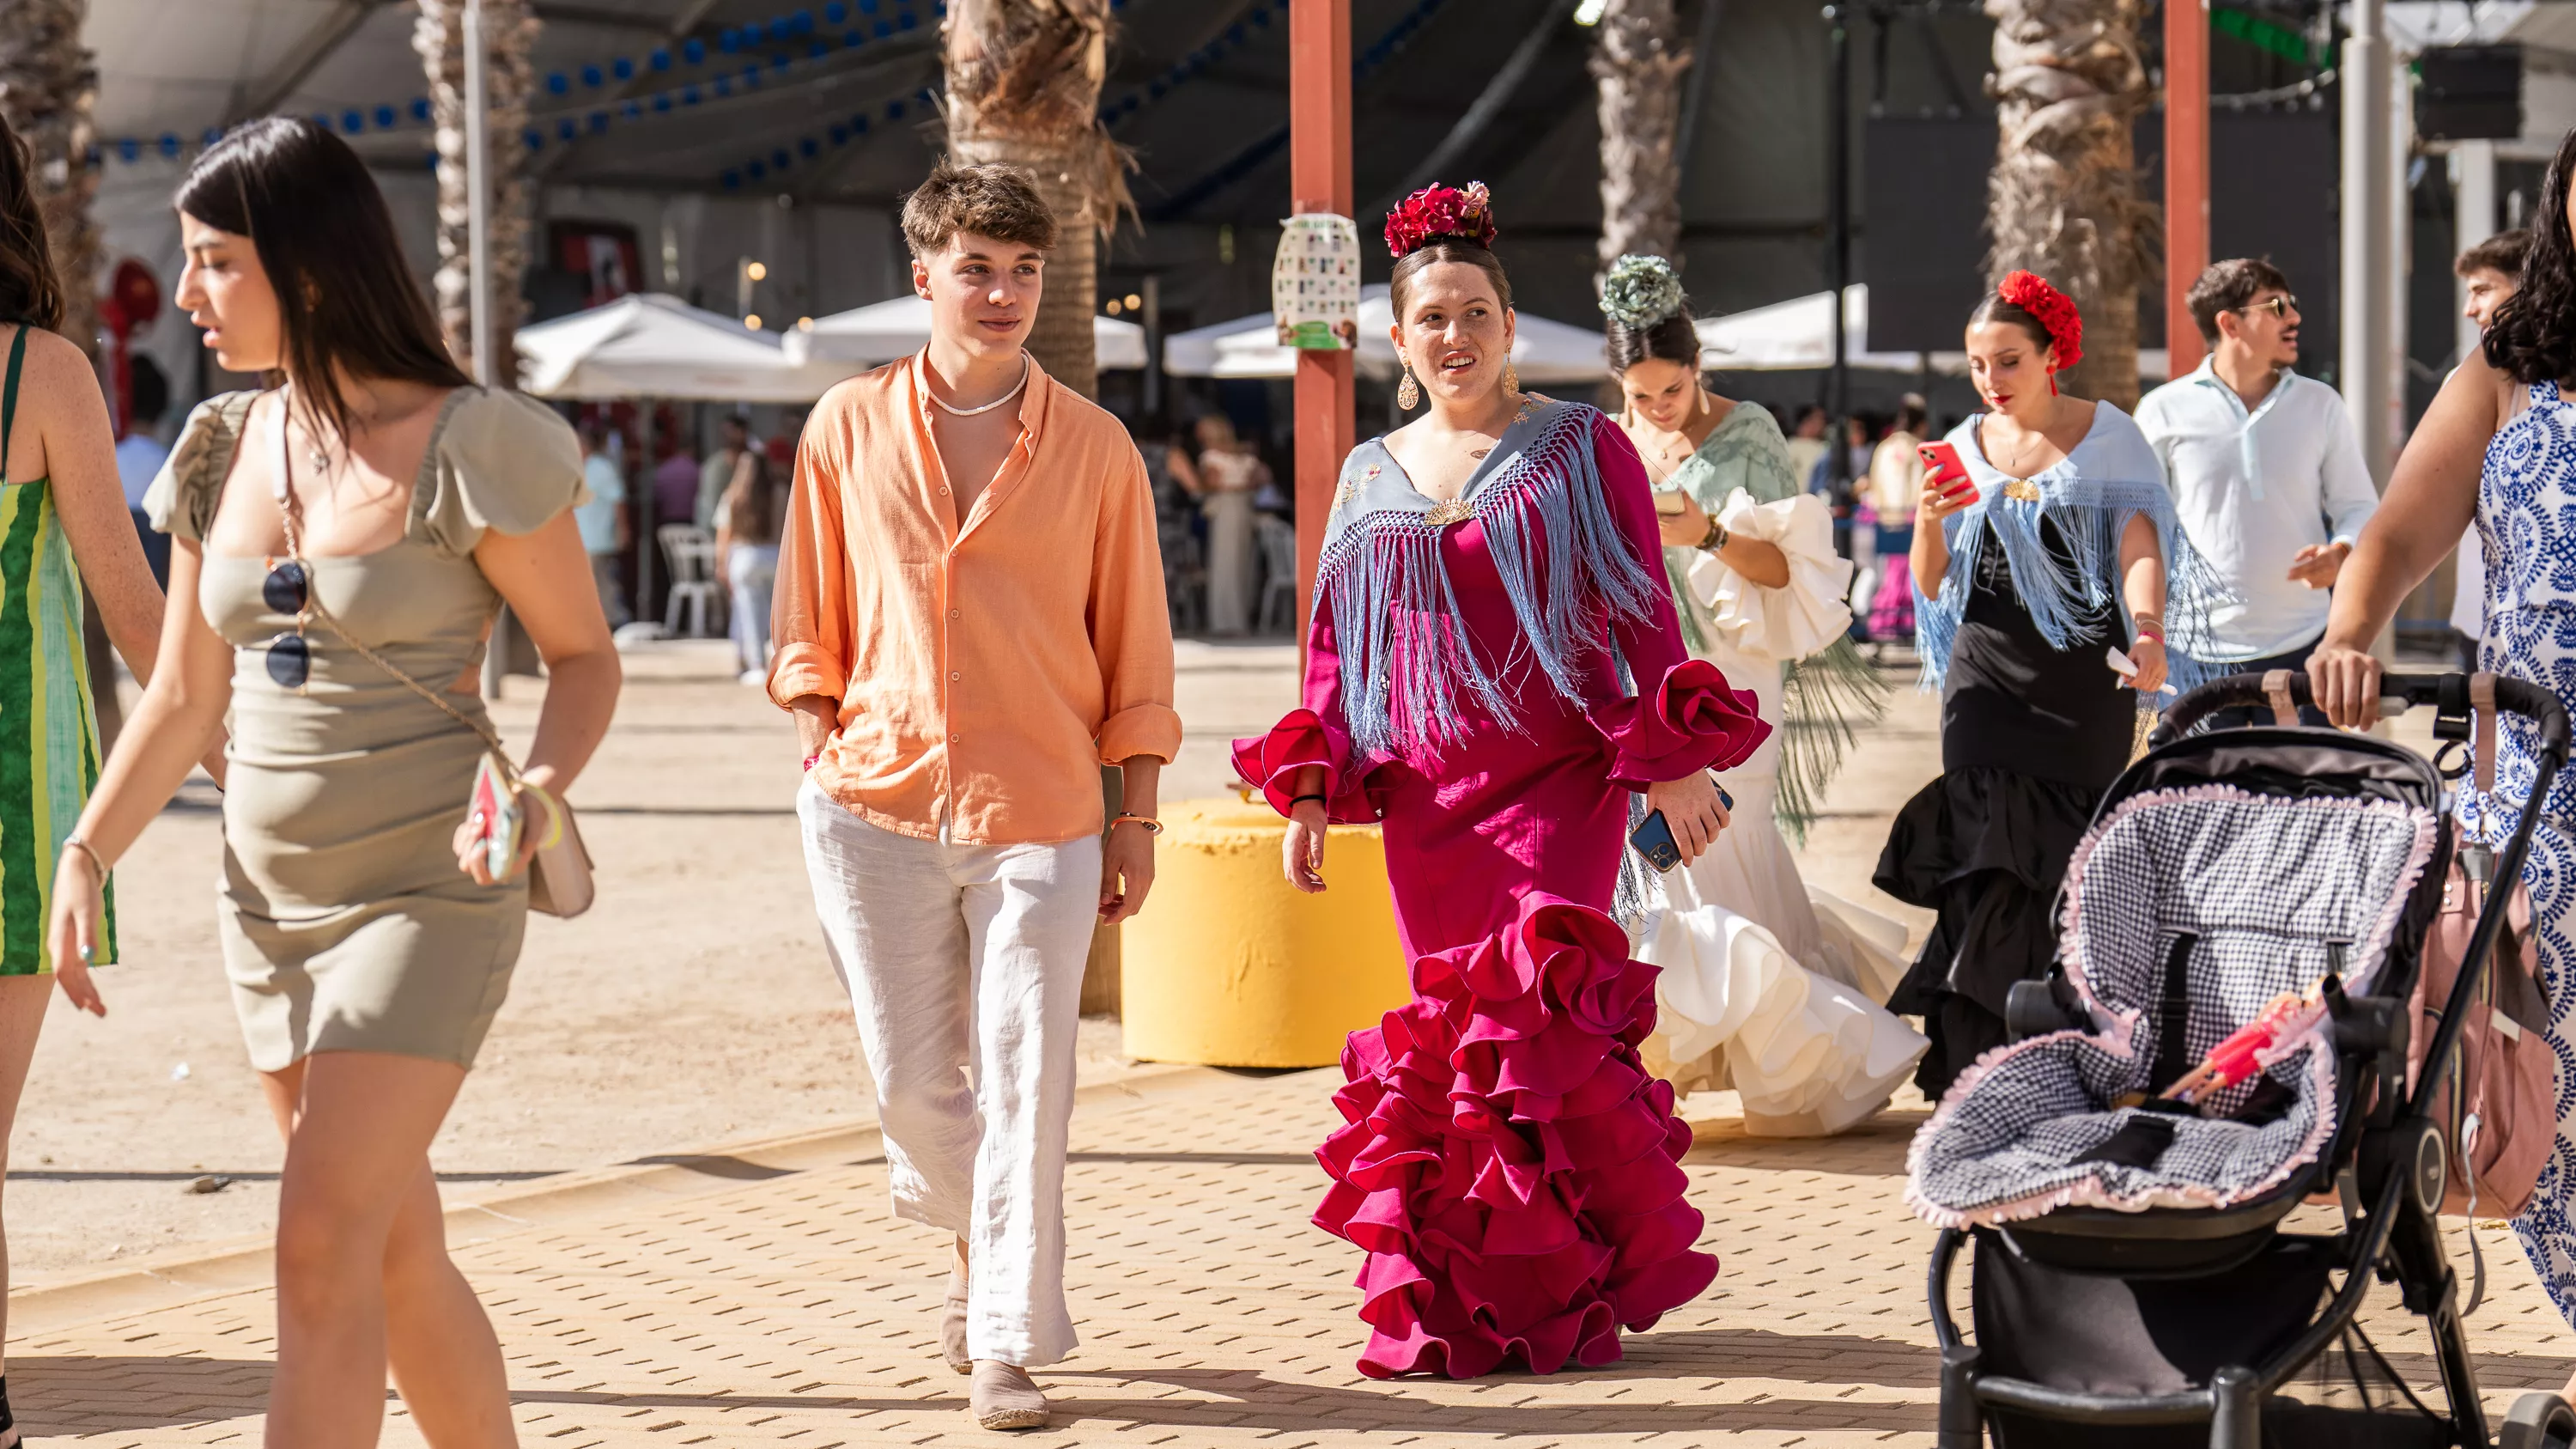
(1494, 671)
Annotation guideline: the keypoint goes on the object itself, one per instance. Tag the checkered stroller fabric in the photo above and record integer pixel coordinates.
(2234, 898)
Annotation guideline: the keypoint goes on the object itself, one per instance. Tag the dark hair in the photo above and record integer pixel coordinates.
(2503, 253)
(30, 290)
(2532, 338)
(1671, 340)
(993, 200)
(346, 299)
(2013, 314)
(1912, 413)
(1447, 249)
(147, 392)
(2229, 286)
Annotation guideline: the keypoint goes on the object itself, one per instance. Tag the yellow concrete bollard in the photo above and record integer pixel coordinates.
(1230, 966)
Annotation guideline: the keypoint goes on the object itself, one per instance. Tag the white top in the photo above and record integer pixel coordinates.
(138, 462)
(2252, 489)
(2469, 595)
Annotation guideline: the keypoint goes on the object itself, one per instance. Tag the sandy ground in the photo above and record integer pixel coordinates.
(692, 1007)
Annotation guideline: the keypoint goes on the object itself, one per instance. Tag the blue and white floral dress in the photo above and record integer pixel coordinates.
(2527, 520)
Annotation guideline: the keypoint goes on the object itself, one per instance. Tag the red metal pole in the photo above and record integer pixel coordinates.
(2186, 172)
(1319, 167)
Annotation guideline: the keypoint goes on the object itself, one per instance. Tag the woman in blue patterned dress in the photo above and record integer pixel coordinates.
(2499, 446)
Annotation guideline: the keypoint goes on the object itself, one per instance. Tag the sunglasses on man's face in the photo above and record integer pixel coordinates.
(2280, 307)
(287, 591)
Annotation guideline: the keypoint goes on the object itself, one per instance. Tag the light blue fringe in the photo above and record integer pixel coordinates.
(1405, 654)
(2086, 605)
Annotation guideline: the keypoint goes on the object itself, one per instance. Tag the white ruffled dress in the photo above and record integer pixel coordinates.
(1770, 986)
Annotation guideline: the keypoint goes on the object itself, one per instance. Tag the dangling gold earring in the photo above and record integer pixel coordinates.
(1408, 394)
(1511, 378)
(1703, 397)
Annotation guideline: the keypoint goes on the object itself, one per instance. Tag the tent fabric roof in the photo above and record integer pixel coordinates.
(1544, 351)
(899, 326)
(653, 345)
(1798, 335)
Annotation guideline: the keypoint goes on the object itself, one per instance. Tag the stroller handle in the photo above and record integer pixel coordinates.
(2398, 693)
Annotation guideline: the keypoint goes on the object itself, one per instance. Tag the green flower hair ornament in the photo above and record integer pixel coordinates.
(1641, 291)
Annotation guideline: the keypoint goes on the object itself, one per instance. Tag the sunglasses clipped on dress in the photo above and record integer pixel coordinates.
(287, 590)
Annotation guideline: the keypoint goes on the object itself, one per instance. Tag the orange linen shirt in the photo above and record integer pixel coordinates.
(986, 668)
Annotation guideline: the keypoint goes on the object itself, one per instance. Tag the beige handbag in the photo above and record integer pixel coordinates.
(559, 874)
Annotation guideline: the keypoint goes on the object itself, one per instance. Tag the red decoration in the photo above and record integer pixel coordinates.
(1438, 211)
(132, 303)
(2055, 311)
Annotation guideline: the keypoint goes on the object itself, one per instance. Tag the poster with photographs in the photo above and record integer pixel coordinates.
(1315, 282)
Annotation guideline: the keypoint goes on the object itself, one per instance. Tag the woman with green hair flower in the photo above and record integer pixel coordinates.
(1768, 987)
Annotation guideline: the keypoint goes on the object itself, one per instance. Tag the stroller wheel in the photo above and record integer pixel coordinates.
(2538, 1421)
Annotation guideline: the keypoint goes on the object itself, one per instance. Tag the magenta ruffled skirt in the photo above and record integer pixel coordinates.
(1509, 1167)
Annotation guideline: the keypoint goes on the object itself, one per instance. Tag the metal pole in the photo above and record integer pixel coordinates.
(478, 197)
(1838, 248)
(478, 261)
(1319, 166)
(2473, 171)
(2186, 173)
(1153, 346)
(2365, 242)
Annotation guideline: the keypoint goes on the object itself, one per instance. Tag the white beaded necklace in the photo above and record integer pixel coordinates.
(955, 411)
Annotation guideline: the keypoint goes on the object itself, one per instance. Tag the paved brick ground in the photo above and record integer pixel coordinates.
(791, 1310)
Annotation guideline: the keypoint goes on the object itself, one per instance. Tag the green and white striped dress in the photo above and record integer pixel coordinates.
(49, 752)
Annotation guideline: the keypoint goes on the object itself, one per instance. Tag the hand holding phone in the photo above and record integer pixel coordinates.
(1946, 476)
(1653, 837)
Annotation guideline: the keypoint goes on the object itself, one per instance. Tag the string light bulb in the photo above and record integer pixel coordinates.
(752, 321)
(1589, 12)
(757, 271)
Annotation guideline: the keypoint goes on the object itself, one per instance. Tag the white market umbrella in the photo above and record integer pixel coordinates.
(1798, 335)
(652, 345)
(900, 326)
(1543, 350)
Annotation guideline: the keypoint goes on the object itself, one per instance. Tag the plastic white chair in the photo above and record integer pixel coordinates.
(691, 553)
(1277, 540)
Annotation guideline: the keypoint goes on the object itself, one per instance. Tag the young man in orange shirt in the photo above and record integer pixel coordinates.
(969, 622)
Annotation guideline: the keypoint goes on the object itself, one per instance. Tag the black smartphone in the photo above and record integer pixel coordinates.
(1653, 837)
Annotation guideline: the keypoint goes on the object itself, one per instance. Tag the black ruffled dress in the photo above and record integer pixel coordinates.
(2031, 736)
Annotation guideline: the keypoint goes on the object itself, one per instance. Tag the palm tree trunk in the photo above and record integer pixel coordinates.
(1638, 58)
(2063, 200)
(1024, 88)
(438, 37)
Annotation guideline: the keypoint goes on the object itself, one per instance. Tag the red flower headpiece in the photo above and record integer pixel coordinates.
(1438, 211)
(2055, 311)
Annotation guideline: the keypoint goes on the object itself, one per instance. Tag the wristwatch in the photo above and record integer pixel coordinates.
(1716, 539)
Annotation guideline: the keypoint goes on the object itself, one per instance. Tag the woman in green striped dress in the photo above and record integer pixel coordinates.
(64, 533)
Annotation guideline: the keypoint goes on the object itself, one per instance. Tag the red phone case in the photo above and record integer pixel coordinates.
(1944, 458)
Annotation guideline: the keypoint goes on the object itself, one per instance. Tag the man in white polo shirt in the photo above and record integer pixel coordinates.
(2266, 474)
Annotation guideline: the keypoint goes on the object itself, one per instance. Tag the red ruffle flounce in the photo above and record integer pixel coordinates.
(1691, 719)
(1511, 1170)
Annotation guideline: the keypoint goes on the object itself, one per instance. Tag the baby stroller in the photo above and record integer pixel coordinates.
(2133, 1280)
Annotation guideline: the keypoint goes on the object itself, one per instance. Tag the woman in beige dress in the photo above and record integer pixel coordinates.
(368, 942)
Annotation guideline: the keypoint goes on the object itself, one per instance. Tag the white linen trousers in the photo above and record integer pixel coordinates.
(964, 966)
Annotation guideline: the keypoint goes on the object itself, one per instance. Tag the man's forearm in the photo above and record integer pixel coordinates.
(816, 718)
(1140, 790)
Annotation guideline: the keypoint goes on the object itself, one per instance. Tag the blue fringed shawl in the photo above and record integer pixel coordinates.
(1405, 656)
(2089, 497)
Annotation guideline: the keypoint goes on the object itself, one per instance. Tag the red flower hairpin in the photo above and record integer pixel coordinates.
(2055, 311)
(1438, 211)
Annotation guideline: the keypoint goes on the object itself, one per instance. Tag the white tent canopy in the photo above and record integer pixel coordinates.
(652, 345)
(1798, 334)
(900, 326)
(1542, 350)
